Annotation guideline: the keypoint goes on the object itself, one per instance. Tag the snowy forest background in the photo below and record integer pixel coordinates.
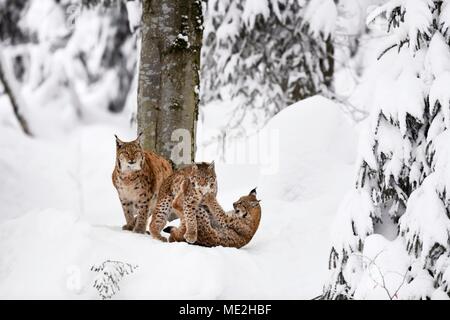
(338, 111)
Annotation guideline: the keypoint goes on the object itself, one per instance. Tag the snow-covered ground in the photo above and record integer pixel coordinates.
(59, 213)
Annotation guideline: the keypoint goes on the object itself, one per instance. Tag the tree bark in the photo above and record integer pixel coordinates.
(169, 73)
(14, 102)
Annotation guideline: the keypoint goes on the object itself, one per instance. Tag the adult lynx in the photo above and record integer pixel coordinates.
(137, 176)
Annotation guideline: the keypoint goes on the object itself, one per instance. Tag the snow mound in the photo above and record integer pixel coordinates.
(60, 215)
(315, 140)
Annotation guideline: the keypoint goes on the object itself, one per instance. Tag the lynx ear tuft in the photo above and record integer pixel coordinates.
(138, 139)
(253, 192)
(119, 142)
(212, 165)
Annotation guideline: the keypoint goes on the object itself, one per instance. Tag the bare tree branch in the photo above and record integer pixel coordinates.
(12, 97)
(383, 285)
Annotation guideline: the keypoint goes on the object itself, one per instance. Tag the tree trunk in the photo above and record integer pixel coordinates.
(14, 101)
(169, 75)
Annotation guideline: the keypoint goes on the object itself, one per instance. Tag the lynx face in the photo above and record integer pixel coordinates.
(129, 155)
(245, 204)
(203, 178)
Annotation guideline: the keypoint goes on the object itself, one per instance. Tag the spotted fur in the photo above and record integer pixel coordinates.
(137, 177)
(183, 191)
(219, 228)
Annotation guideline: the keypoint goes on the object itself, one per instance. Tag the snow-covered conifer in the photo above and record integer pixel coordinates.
(79, 62)
(401, 188)
(266, 54)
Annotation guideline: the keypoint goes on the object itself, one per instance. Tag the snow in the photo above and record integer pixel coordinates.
(417, 19)
(134, 10)
(384, 269)
(76, 70)
(426, 218)
(255, 58)
(60, 215)
(321, 16)
(425, 224)
(309, 155)
(438, 62)
(184, 39)
(439, 94)
(46, 20)
(444, 18)
(438, 56)
(253, 8)
(355, 207)
(392, 231)
(439, 295)
(390, 273)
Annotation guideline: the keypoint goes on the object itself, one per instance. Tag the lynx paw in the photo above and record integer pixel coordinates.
(139, 229)
(127, 227)
(160, 238)
(190, 237)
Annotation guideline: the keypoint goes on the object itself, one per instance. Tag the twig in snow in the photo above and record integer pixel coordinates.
(110, 274)
(383, 285)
